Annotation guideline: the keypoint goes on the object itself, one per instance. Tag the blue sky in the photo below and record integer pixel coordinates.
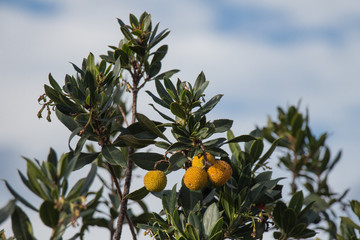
(260, 54)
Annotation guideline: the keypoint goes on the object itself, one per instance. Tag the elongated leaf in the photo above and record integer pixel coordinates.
(7, 210)
(48, 214)
(209, 105)
(289, 220)
(167, 74)
(75, 190)
(191, 232)
(89, 180)
(211, 216)
(150, 126)
(200, 80)
(189, 198)
(177, 110)
(256, 149)
(158, 100)
(18, 197)
(132, 141)
(267, 155)
(178, 146)
(177, 161)
(68, 121)
(54, 84)
(222, 125)
(216, 229)
(242, 138)
(234, 147)
(159, 54)
(162, 114)
(138, 194)
(296, 202)
(21, 225)
(147, 161)
(84, 159)
(113, 156)
(164, 95)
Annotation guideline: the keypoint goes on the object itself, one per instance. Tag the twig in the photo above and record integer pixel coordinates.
(123, 115)
(117, 185)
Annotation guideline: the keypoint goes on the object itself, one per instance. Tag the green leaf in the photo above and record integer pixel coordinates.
(167, 74)
(208, 106)
(222, 125)
(200, 80)
(296, 202)
(189, 198)
(267, 155)
(154, 69)
(159, 101)
(194, 219)
(355, 206)
(132, 141)
(150, 126)
(177, 110)
(162, 114)
(211, 216)
(21, 225)
(172, 200)
(159, 54)
(256, 149)
(89, 180)
(138, 194)
(296, 123)
(158, 38)
(7, 210)
(319, 203)
(113, 156)
(217, 142)
(178, 146)
(84, 159)
(48, 214)
(124, 58)
(54, 84)
(288, 220)
(177, 160)
(278, 213)
(216, 229)
(147, 161)
(146, 23)
(191, 232)
(75, 190)
(234, 147)
(298, 229)
(52, 157)
(133, 21)
(68, 121)
(242, 138)
(18, 197)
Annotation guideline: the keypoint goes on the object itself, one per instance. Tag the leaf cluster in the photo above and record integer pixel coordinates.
(309, 160)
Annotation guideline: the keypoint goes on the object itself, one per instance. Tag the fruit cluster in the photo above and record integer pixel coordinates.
(203, 168)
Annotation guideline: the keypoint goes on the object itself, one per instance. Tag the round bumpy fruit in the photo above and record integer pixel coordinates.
(195, 178)
(198, 161)
(155, 181)
(219, 173)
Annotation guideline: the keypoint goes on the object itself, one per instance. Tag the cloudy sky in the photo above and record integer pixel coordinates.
(260, 54)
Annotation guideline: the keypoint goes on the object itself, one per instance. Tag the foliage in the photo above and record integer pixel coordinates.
(244, 203)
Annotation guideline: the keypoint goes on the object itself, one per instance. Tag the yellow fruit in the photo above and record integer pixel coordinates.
(198, 161)
(155, 181)
(219, 173)
(195, 178)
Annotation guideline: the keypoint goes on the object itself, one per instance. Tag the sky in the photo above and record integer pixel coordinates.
(259, 54)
